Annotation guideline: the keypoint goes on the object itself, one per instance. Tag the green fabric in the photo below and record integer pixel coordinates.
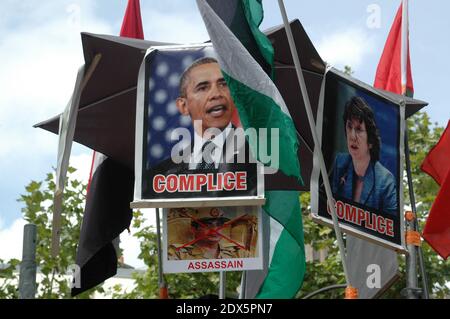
(260, 111)
(288, 265)
(284, 206)
(254, 13)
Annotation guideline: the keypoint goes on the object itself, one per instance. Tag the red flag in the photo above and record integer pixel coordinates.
(437, 165)
(437, 162)
(389, 71)
(132, 22)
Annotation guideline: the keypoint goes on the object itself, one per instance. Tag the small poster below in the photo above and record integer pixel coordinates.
(212, 239)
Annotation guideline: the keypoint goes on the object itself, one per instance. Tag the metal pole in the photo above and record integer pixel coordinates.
(27, 279)
(404, 45)
(317, 144)
(161, 282)
(64, 150)
(222, 284)
(411, 261)
(244, 285)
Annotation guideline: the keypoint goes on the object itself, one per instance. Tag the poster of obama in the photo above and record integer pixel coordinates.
(190, 147)
(194, 160)
(361, 134)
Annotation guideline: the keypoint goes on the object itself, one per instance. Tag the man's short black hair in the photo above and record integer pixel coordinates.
(185, 76)
(357, 108)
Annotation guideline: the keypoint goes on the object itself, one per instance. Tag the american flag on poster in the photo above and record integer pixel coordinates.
(164, 72)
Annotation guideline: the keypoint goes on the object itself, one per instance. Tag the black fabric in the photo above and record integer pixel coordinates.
(107, 214)
(207, 160)
(100, 267)
(168, 167)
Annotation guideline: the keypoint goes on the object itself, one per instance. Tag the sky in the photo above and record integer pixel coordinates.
(40, 50)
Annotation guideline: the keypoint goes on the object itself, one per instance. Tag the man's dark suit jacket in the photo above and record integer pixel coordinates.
(229, 162)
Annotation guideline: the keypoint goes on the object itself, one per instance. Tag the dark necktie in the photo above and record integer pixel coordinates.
(207, 160)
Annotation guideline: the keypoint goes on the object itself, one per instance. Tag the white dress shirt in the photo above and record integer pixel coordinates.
(219, 141)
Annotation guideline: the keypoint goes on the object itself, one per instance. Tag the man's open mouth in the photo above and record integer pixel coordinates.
(217, 111)
(354, 147)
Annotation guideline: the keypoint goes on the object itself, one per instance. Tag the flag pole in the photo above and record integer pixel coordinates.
(222, 284)
(412, 288)
(415, 227)
(243, 285)
(404, 47)
(163, 293)
(350, 291)
(64, 150)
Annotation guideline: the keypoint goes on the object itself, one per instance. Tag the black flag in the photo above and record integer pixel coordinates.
(106, 215)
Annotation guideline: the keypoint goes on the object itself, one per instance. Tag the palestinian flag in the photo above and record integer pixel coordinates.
(246, 59)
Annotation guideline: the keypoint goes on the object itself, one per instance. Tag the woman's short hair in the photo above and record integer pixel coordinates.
(357, 108)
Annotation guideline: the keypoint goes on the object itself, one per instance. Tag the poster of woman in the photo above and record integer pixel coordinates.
(361, 134)
(358, 174)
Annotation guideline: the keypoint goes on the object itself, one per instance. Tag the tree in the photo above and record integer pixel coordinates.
(38, 201)
(320, 274)
(189, 286)
(38, 210)
(9, 280)
(423, 135)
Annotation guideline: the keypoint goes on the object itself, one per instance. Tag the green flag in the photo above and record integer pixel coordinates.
(246, 58)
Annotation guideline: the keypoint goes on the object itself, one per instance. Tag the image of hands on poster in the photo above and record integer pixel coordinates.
(212, 239)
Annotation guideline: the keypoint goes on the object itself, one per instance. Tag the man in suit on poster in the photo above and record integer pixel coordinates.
(218, 146)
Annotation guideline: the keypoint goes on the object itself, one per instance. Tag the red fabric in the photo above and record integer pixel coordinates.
(131, 28)
(235, 120)
(437, 165)
(437, 162)
(389, 73)
(132, 21)
(437, 228)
